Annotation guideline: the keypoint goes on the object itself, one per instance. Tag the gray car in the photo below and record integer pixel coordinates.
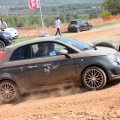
(52, 62)
(5, 39)
(79, 25)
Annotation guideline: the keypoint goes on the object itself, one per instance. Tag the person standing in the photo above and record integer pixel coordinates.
(58, 22)
(3, 24)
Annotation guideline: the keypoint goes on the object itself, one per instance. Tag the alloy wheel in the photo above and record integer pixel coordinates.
(2, 45)
(94, 78)
(8, 91)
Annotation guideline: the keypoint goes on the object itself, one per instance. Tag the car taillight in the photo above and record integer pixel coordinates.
(2, 55)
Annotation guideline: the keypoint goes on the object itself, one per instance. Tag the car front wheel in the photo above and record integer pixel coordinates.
(2, 45)
(94, 78)
(8, 91)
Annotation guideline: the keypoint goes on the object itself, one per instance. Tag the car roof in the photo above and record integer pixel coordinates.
(34, 40)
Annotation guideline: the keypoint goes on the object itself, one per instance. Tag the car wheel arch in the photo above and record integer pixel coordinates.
(3, 40)
(105, 44)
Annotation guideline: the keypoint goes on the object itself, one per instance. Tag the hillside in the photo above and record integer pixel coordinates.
(45, 2)
(53, 10)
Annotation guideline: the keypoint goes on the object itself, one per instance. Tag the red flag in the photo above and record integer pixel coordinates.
(33, 4)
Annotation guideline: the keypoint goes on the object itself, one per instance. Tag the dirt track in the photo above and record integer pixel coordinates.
(73, 103)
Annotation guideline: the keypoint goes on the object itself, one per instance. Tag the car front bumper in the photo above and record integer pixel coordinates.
(114, 73)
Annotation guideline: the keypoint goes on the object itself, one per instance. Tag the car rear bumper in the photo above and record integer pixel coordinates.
(72, 29)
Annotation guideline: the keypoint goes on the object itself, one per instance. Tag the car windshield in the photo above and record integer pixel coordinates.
(73, 42)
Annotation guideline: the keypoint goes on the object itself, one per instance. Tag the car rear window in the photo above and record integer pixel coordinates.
(2, 55)
(73, 22)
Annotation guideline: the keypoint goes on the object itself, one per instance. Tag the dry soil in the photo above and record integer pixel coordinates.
(74, 103)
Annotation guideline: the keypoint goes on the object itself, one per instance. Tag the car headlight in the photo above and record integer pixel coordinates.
(114, 59)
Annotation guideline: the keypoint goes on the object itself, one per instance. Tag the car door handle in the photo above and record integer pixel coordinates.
(30, 67)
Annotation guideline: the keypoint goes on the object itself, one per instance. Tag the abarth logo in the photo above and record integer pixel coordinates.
(48, 67)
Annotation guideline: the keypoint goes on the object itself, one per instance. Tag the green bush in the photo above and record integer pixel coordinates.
(106, 15)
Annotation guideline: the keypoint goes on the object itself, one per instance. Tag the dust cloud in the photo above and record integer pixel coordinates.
(53, 93)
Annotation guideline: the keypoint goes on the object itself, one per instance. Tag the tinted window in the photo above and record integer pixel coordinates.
(39, 49)
(58, 47)
(73, 22)
(21, 53)
(44, 49)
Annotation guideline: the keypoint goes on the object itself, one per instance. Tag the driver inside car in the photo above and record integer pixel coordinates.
(42, 50)
(51, 50)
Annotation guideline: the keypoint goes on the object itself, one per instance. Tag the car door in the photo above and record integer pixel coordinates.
(50, 68)
(15, 67)
(86, 25)
(81, 25)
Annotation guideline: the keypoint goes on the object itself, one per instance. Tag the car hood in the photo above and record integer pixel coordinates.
(100, 51)
(10, 29)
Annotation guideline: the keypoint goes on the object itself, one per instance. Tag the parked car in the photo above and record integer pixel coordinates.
(79, 25)
(5, 39)
(14, 33)
(63, 62)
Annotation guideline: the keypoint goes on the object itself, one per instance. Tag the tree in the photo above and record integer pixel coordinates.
(63, 18)
(69, 17)
(93, 16)
(106, 15)
(113, 6)
(11, 21)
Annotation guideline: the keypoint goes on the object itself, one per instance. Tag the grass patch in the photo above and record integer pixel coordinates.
(22, 39)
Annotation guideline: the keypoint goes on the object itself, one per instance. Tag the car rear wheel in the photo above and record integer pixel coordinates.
(8, 91)
(94, 78)
(78, 29)
(2, 45)
(89, 28)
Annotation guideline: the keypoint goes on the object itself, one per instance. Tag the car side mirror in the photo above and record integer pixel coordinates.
(63, 52)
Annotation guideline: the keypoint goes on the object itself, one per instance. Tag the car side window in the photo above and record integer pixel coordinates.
(39, 49)
(45, 49)
(58, 47)
(86, 23)
(21, 53)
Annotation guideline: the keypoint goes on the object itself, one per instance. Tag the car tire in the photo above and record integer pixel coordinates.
(105, 44)
(8, 91)
(89, 28)
(94, 78)
(2, 45)
(78, 29)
